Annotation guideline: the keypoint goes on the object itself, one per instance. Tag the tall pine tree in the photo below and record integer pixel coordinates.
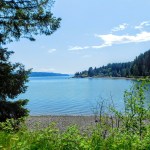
(20, 19)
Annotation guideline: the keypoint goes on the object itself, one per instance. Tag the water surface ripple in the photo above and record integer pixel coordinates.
(63, 96)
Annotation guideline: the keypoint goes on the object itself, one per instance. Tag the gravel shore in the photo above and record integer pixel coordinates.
(62, 122)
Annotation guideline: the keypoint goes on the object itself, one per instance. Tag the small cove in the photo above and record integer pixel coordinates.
(72, 96)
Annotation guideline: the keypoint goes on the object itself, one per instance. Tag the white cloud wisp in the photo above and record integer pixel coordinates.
(142, 25)
(76, 48)
(110, 39)
(120, 27)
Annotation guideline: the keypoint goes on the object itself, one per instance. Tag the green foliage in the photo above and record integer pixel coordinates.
(20, 19)
(90, 72)
(72, 138)
(12, 83)
(26, 18)
(135, 110)
(12, 125)
(137, 68)
(14, 110)
(49, 138)
(12, 77)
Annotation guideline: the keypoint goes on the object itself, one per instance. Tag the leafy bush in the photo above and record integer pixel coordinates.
(71, 139)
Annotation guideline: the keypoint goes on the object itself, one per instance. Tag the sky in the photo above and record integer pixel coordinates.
(93, 33)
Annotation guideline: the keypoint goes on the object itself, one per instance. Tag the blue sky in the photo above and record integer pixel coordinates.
(92, 33)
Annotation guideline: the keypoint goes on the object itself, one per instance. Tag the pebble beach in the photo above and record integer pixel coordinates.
(62, 122)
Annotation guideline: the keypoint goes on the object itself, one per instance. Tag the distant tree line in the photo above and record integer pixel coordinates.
(139, 67)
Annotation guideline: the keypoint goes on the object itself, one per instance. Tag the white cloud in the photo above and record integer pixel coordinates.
(51, 50)
(142, 25)
(75, 48)
(100, 46)
(110, 39)
(120, 27)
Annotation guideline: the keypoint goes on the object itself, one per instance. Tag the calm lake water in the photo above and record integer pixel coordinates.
(70, 96)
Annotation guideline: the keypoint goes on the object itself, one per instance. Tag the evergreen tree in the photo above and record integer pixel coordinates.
(90, 72)
(12, 83)
(26, 18)
(12, 77)
(139, 67)
(20, 19)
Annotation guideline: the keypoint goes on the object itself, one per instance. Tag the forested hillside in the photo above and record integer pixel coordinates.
(139, 67)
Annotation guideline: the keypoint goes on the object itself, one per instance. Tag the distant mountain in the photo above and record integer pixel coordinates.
(140, 67)
(46, 74)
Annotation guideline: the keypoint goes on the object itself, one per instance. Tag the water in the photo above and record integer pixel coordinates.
(63, 96)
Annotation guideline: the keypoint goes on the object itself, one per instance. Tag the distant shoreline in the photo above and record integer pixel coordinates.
(126, 78)
(47, 74)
